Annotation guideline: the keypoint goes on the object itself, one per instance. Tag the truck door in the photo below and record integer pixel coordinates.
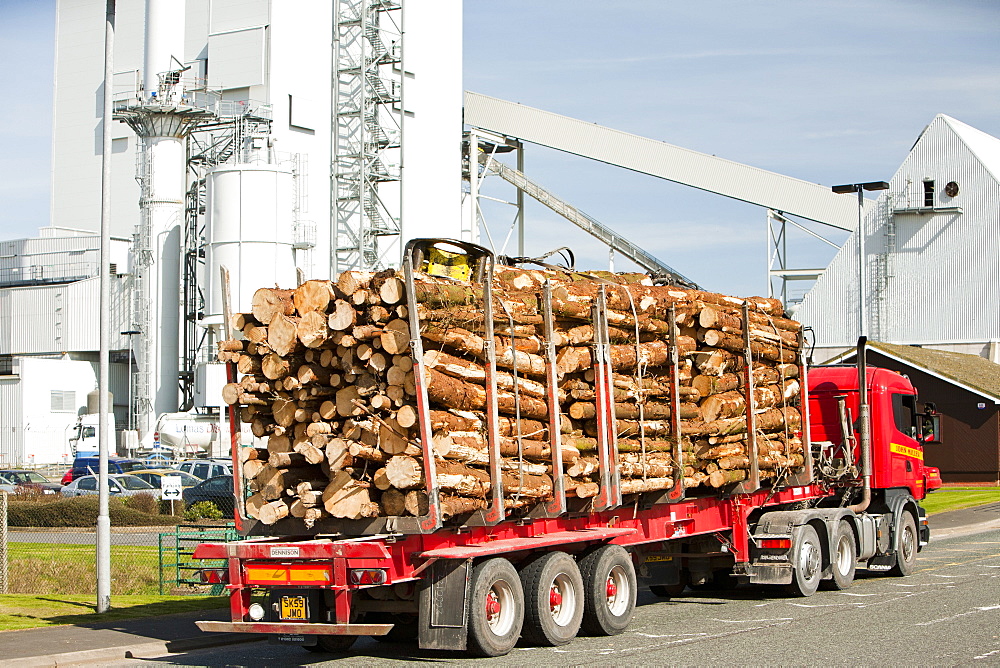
(902, 454)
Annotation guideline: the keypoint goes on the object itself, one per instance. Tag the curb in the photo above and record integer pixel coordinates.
(148, 650)
(964, 530)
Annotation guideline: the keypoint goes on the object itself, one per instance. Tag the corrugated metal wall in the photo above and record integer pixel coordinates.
(11, 421)
(60, 318)
(932, 277)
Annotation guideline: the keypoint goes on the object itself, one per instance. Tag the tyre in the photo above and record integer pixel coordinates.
(843, 558)
(807, 563)
(668, 591)
(553, 596)
(609, 588)
(496, 608)
(332, 644)
(906, 546)
(404, 627)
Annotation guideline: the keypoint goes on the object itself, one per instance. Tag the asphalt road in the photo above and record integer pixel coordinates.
(946, 613)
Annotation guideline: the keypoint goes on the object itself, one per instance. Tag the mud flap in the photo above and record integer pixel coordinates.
(882, 563)
(443, 598)
(769, 574)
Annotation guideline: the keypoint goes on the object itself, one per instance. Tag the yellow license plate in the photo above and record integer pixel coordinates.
(294, 608)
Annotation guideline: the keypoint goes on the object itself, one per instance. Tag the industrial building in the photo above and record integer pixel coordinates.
(283, 141)
(931, 254)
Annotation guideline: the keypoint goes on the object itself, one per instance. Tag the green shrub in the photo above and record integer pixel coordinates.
(80, 511)
(203, 510)
(144, 503)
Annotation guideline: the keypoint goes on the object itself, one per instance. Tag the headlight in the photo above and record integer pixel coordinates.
(256, 611)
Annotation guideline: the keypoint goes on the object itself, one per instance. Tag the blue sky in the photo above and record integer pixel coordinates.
(825, 91)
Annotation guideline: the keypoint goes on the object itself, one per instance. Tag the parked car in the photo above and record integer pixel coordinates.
(91, 465)
(31, 480)
(152, 476)
(7, 486)
(206, 468)
(218, 490)
(119, 484)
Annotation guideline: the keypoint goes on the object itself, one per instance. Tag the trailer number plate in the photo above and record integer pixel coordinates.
(294, 608)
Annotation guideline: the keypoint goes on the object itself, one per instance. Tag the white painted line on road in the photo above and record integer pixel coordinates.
(923, 584)
(746, 621)
(974, 611)
(988, 654)
(851, 593)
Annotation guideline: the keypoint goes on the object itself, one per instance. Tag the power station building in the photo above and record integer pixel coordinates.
(282, 141)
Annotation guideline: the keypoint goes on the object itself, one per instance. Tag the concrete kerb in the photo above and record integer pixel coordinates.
(147, 650)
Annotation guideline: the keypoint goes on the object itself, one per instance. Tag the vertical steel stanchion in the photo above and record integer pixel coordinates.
(3, 542)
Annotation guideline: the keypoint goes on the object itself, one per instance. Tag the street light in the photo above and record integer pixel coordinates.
(859, 188)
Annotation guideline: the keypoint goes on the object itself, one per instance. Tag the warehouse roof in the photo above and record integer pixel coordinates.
(984, 146)
(972, 372)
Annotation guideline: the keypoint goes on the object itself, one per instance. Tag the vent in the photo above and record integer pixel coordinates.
(62, 401)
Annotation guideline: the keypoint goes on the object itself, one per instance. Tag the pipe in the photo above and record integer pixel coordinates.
(864, 419)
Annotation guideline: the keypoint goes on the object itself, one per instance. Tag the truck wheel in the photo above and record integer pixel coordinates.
(843, 558)
(609, 588)
(906, 546)
(404, 627)
(807, 563)
(553, 594)
(496, 608)
(332, 644)
(668, 591)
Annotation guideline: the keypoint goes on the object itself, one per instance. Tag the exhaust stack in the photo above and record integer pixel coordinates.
(864, 419)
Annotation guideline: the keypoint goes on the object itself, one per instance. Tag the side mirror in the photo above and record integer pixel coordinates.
(930, 428)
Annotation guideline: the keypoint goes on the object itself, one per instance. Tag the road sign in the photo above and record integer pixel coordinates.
(170, 486)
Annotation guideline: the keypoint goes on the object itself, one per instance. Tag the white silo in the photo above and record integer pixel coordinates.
(249, 231)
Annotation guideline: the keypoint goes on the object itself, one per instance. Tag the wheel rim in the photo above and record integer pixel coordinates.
(844, 555)
(617, 591)
(906, 543)
(499, 605)
(562, 600)
(809, 561)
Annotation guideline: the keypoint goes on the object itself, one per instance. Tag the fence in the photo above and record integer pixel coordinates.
(178, 570)
(51, 545)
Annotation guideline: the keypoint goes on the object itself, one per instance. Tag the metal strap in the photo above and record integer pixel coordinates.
(557, 505)
(432, 520)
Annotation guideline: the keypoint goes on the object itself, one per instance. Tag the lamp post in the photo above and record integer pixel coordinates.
(859, 188)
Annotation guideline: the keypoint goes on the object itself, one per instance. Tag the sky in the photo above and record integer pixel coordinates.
(825, 91)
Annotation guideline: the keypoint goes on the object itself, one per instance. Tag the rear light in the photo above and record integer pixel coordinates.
(215, 575)
(776, 543)
(368, 576)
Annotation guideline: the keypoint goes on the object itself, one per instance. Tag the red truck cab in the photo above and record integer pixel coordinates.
(898, 430)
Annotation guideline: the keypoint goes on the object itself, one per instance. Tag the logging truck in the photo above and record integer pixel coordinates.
(468, 455)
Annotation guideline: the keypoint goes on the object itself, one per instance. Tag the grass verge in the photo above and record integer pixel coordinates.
(23, 611)
(956, 498)
(57, 569)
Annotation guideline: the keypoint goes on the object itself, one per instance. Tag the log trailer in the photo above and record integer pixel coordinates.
(481, 581)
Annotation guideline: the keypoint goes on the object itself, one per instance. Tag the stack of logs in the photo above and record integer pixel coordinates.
(328, 380)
